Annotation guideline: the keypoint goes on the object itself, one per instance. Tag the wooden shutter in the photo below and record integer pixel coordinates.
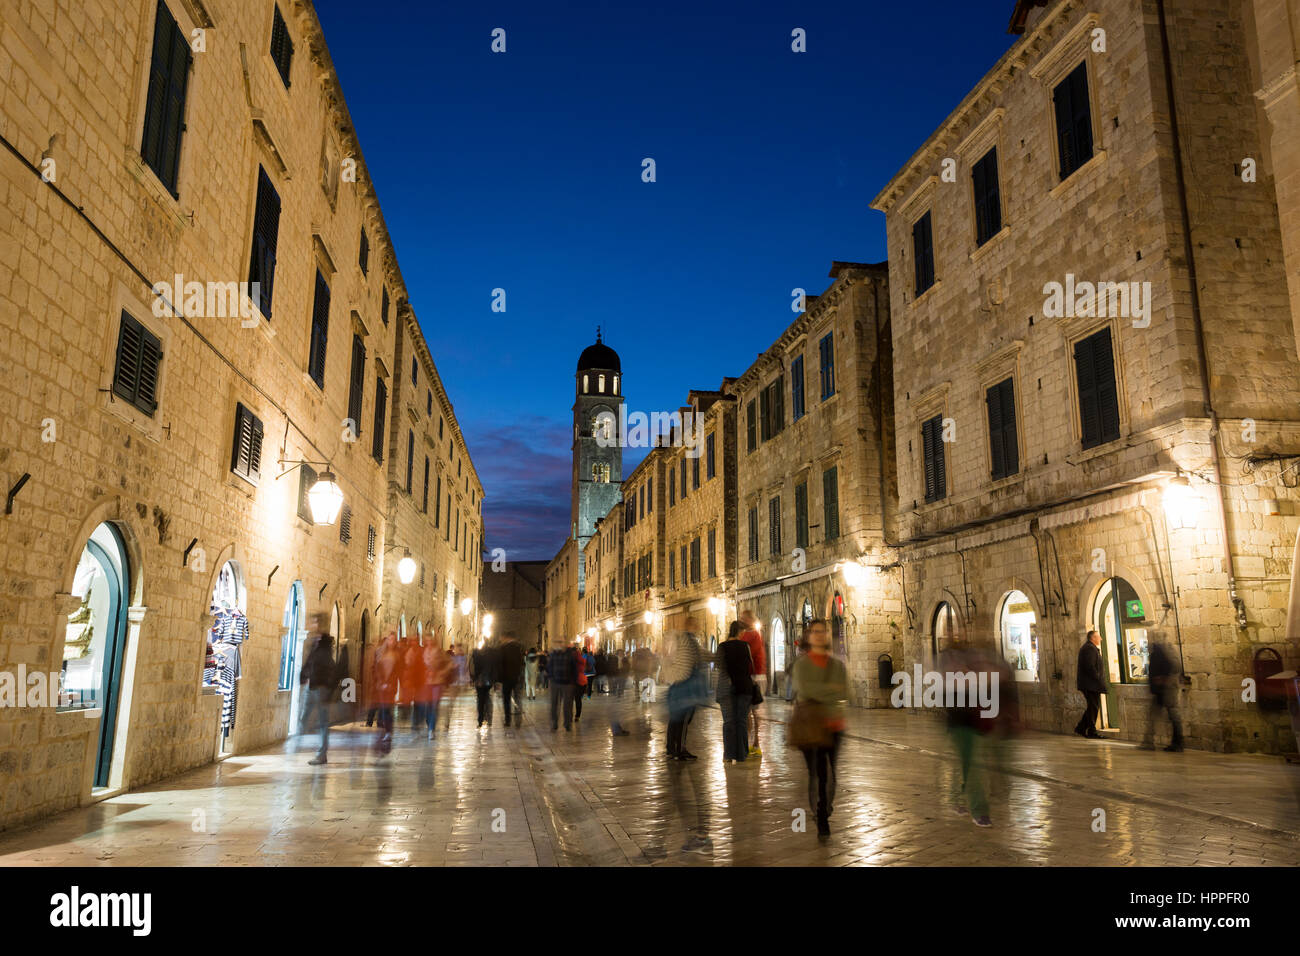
(751, 426)
(306, 478)
(410, 458)
(713, 552)
(932, 441)
(363, 257)
(765, 413)
(753, 534)
(1073, 120)
(281, 47)
(1098, 399)
(266, 231)
(383, 312)
(831, 504)
(320, 325)
(988, 208)
(246, 455)
(357, 382)
(345, 523)
(774, 525)
(796, 389)
(381, 407)
(923, 253)
(801, 515)
(135, 372)
(169, 70)
(778, 406)
(426, 485)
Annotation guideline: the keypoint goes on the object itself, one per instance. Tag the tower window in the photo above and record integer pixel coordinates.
(615, 384)
(600, 384)
(600, 473)
(585, 385)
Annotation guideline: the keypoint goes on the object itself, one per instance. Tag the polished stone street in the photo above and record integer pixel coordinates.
(529, 797)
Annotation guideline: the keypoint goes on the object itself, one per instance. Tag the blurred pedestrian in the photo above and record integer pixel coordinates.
(532, 672)
(415, 681)
(320, 679)
(562, 664)
(969, 729)
(387, 669)
(735, 693)
(817, 723)
(510, 672)
(688, 685)
(643, 666)
(1092, 684)
(758, 669)
(483, 672)
(438, 669)
(1163, 675)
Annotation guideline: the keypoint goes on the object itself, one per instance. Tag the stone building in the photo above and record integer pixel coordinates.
(640, 581)
(814, 486)
(513, 596)
(699, 531)
(561, 596)
(599, 621)
(597, 455)
(1095, 374)
(435, 501)
(162, 444)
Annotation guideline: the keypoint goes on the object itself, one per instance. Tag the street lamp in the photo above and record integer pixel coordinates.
(648, 617)
(466, 605)
(406, 568)
(1182, 505)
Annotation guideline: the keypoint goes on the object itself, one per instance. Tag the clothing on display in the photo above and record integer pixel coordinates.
(221, 667)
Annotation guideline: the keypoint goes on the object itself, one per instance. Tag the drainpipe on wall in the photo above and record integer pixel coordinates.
(1201, 355)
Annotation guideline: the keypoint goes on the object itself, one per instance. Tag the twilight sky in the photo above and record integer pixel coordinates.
(522, 171)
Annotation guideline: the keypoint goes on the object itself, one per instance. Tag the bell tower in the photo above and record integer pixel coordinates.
(597, 454)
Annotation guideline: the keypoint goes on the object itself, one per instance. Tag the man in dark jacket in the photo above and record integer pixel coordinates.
(562, 671)
(318, 674)
(483, 670)
(510, 663)
(1091, 684)
(1163, 673)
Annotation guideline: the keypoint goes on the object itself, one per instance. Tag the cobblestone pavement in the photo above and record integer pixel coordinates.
(532, 797)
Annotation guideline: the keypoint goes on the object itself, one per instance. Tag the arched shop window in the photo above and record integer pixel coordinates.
(94, 642)
(1122, 624)
(943, 628)
(229, 631)
(1016, 620)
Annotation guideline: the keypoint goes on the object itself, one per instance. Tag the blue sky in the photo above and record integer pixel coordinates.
(522, 171)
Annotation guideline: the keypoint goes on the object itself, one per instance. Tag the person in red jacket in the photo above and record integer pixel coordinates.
(758, 667)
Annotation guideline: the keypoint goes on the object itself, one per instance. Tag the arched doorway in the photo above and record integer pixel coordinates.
(94, 642)
(1120, 617)
(291, 641)
(780, 653)
(1018, 634)
(225, 639)
(943, 628)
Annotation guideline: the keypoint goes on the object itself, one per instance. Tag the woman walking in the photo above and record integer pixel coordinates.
(821, 687)
(735, 693)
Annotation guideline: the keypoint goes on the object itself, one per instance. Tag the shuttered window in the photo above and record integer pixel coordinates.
(695, 561)
(281, 47)
(383, 313)
(796, 388)
(357, 384)
(410, 458)
(753, 533)
(425, 506)
(713, 552)
(320, 330)
(672, 569)
(1004, 450)
(306, 478)
(1094, 365)
(751, 426)
(266, 232)
(1073, 120)
(923, 253)
(164, 112)
(685, 575)
(650, 494)
(136, 367)
(774, 525)
(695, 473)
(710, 461)
(826, 350)
(801, 515)
(830, 504)
(345, 523)
(363, 256)
(246, 455)
(683, 479)
(936, 480)
(370, 543)
(437, 502)
(988, 200)
(381, 407)
(672, 491)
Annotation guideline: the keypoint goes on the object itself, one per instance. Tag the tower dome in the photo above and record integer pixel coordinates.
(599, 356)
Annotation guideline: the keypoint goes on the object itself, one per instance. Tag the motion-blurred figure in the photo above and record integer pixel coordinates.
(387, 668)
(1163, 673)
(735, 693)
(643, 667)
(969, 730)
(532, 672)
(415, 682)
(562, 664)
(687, 687)
(483, 671)
(821, 686)
(438, 668)
(510, 672)
(758, 670)
(320, 678)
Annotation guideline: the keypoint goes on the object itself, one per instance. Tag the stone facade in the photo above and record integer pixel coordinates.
(1206, 382)
(88, 229)
(795, 567)
(512, 593)
(643, 541)
(562, 597)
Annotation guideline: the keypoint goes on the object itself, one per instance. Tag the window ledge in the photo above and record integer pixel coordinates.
(147, 178)
(997, 484)
(1097, 451)
(1098, 158)
(917, 299)
(994, 240)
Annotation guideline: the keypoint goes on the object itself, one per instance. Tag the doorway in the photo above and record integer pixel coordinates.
(94, 643)
(295, 632)
(225, 640)
(1121, 622)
